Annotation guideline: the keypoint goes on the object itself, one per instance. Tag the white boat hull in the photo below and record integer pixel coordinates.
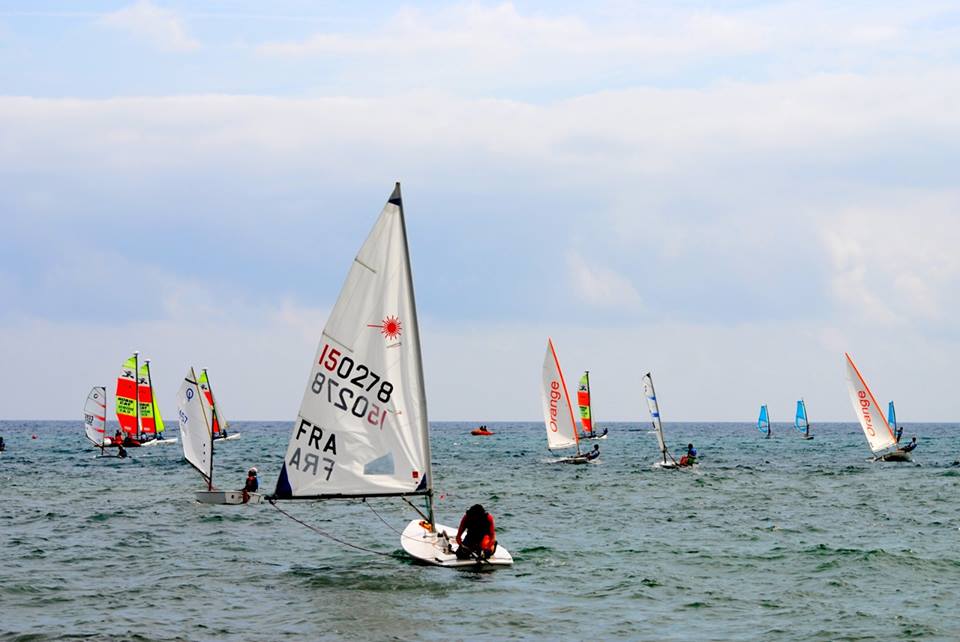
(159, 442)
(230, 437)
(224, 497)
(428, 547)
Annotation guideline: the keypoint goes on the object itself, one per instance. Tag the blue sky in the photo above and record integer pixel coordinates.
(727, 194)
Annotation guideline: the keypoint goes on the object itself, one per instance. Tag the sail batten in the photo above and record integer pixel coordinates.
(557, 409)
(362, 426)
(875, 427)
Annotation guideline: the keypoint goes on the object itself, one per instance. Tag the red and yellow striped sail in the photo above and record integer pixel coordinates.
(583, 399)
(127, 397)
(151, 422)
(204, 382)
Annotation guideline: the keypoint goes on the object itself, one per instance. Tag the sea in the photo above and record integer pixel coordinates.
(767, 539)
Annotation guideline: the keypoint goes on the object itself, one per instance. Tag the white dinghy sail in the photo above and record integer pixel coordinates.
(667, 460)
(196, 437)
(875, 427)
(95, 416)
(362, 426)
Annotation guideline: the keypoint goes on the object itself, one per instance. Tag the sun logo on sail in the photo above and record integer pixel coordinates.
(391, 327)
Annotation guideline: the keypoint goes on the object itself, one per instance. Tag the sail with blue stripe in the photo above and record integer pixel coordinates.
(800, 422)
(655, 415)
(892, 420)
(763, 422)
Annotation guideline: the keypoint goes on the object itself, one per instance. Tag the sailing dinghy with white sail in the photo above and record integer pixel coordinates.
(95, 419)
(196, 437)
(586, 409)
(800, 422)
(666, 460)
(880, 437)
(557, 410)
(214, 411)
(763, 422)
(362, 427)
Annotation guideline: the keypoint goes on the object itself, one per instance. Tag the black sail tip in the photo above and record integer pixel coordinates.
(395, 196)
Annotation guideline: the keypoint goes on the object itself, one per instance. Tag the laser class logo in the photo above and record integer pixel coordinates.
(391, 328)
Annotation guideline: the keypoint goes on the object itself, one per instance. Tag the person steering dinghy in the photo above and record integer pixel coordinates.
(480, 541)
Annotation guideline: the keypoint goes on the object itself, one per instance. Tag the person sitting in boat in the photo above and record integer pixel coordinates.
(481, 539)
(3, 446)
(690, 458)
(117, 438)
(121, 451)
(593, 454)
(251, 485)
(910, 446)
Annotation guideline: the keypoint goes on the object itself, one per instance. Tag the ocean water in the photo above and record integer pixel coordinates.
(779, 539)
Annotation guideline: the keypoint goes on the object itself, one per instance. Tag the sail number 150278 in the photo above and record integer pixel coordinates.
(351, 387)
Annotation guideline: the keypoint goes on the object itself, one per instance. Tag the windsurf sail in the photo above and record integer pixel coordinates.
(800, 421)
(763, 422)
(151, 423)
(557, 410)
(362, 426)
(875, 427)
(127, 400)
(654, 407)
(195, 435)
(583, 400)
(95, 415)
(212, 408)
(892, 421)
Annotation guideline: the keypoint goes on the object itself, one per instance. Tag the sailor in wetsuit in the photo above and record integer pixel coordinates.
(910, 446)
(593, 454)
(481, 539)
(690, 458)
(251, 485)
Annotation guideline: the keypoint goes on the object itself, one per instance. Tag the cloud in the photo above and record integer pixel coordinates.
(159, 27)
(599, 286)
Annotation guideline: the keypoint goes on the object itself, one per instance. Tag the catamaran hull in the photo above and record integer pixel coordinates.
(586, 437)
(159, 442)
(226, 497)
(428, 548)
(230, 437)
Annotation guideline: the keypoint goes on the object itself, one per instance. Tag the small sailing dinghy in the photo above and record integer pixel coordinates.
(800, 422)
(362, 427)
(763, 422)
(666, 459)
(197, 441)
(95, 419)
(140, 420)
(880, 437)
(558, 412)
(213, 409)
(586, 409)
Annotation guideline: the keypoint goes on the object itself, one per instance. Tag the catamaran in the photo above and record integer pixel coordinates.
(666, 459)
(880, 437)
(362, 427)
(763, 422)
(140, 421)
(196, 434)
(558, 411)
(586, 410)
(213, 409)
(800, 422)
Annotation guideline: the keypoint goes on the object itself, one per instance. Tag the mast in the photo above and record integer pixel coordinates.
(136, 390)
(153, 397)
(103, 439)
(397, 200)
(213, 419)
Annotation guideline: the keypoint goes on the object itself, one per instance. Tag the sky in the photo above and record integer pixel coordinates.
(729, 195)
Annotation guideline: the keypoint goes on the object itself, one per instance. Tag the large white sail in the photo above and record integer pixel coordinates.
(557, 411)
(362, 426)
(869, 412)
(654, 407)
(195, 435)
(95, 415)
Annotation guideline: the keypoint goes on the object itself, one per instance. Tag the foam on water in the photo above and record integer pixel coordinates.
(768, 539)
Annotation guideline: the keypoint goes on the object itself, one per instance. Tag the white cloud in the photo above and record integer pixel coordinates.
(161, 28)
(600, 286)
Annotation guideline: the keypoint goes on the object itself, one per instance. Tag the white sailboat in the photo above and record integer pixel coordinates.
(666, 459)
(196, 437)
(362, 427)
(880, 437)
(95, 419)
(558, 411)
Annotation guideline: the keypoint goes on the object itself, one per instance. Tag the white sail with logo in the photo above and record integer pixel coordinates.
(874, 424)
(195, 434)
(654, 407)
(95, 415)
(362, 426)
(557, 410)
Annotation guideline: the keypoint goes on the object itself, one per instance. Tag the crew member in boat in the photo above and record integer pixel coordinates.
(593, 454)
(118, 438)
(910, 446)
(690, 458)
(481, 535)
(3, 446)
(251, 485)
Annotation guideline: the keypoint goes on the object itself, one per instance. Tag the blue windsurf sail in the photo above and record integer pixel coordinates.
(800, 422)
(892, 420)
(763, 423)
